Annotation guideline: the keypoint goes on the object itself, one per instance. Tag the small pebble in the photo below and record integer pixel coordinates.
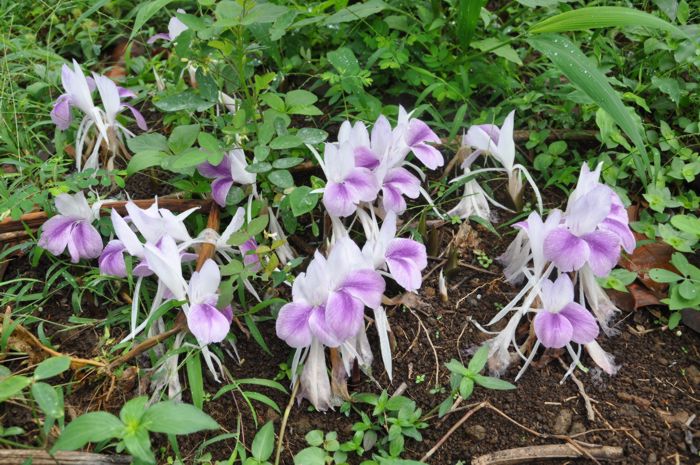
(652, 458)
(478, 432)
(693, 375)
(563, 421)
(577, 428)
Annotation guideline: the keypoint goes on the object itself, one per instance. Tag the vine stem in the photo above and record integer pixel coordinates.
(285, 418)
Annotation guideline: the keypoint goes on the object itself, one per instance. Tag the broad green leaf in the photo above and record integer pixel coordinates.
(144, 142)
(356, 11)
(194, 376)
(497, 47)
(139, 445)
(687, 223)
(468, 13)
(584, 74)
(281, 178)
(51, 367)
(286, 163)
(257, 225)
(13, 385)
(187, 159)
(300, 98)
(91, 427)
(493, 383)
(595, 17)
(264, 442)
(466, 387)
(187, 100)
(146, 159)
(48, 400)
(314, 437)
(664, 276)
(479, 359)
(183, 137)
(455, 367)
(344, 61)
(263, 13)
(302, 200)
(132, 411)
(312, 135)
(146, 11)
(310, 456)
(175, 418)
(286, 142)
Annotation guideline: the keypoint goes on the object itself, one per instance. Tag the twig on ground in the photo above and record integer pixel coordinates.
(427, 335)
(546, 452)
(285, 418)
(452, 430)
(582, 391)
(40, 457)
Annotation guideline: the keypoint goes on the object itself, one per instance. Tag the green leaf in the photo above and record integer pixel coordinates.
(300, 98)
(286, 163)
(455, 367)
(183, 137)
(585, 75)
(687, 223)
(257, 225)
(689, 290)
(302, 200)
(595, 17)
(264, 442)
(48, 400)
(146, 159)
(194, 376)
(273, 101)
(281, 178)
(312, 135)
(132, 411)
(187, 100)
(468, 13)
(479, 359)
(674, 319)
(185, 160)
(310, 456)
(287, 141)
(259, 167)
(144, 142)
(493, 383)
(146, 11)
(174, 418)
(12, 386)
(91, 427)
(51, 367)
(138, 444)
(314, 437)
(466, 387)
(356, 11)
(499, 48)
(344, 61)
(263, 13)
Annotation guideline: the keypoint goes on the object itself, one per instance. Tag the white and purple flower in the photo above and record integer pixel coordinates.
(232, 169)
(72, 228)
(175, 28)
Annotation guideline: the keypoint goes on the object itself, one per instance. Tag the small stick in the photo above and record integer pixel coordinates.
(437, 360)
(582, 391)
(287, 411)
(40, 457)
(547, 452)
(452, 430)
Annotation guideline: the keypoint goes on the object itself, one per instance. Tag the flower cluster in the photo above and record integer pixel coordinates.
(585, 240)
(78, 93)
(329, 299)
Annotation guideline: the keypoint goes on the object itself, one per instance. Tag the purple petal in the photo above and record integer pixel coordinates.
(419, 132)
(140, 120)
(622, 231)
(293, 324)
(604, 251)
(250, 258)
(319, 327)
(339, 199)
(123, 92)
(112, 259)
(60, 114)
(584, 326)
(557, 294)
(220, 188)
(565, 250)
(159, 36)
(56, 233)
(429, 155)
(142, 269)
(227, 312)
(207, 323)
(365, 158)
(553, 330)
(344, 314)
(402, 180)
(84, 242)
(366, 286)
(392, 200)
(588, 211)
(222, 170)
(406, 259)
(364, 184)
(493, 131)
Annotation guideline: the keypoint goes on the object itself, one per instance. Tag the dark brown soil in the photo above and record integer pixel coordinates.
(644, 408)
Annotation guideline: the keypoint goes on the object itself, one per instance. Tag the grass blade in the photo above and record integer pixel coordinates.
(595, 17)
(584, 74)
(468, 12)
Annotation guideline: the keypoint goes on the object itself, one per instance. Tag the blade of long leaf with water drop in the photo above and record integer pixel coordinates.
(596, 17)
(584, 74)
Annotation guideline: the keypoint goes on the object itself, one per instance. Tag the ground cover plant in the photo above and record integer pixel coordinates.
(376, 232)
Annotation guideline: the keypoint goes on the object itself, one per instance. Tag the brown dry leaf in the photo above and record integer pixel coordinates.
(467, 238)
(642, 297)
(409, 299)
(646, 257)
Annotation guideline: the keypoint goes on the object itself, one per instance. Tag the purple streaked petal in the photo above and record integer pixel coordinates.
(365, 285)
(159, 36)
(250, 258)
(344, 314)
(142, 269)
(60, 114)
(566, 251)
(382, 136)
(138, 117)
(419, 132)
(406, 259)
(292, 324)
(604, 251)
(219, 190)
(365, 158)
(55, 233)
(123, 92)
(320, 329)
(339, 199)
(402, 180)
(392, 200)
(207, 323)
(364, 184)
(622, 231)
(227, 312)
(553, 330)
(584, 326)
(428, 155)
(112, 259)
(584, 214)
(222, 170)
(84, 242)
(557, 294)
